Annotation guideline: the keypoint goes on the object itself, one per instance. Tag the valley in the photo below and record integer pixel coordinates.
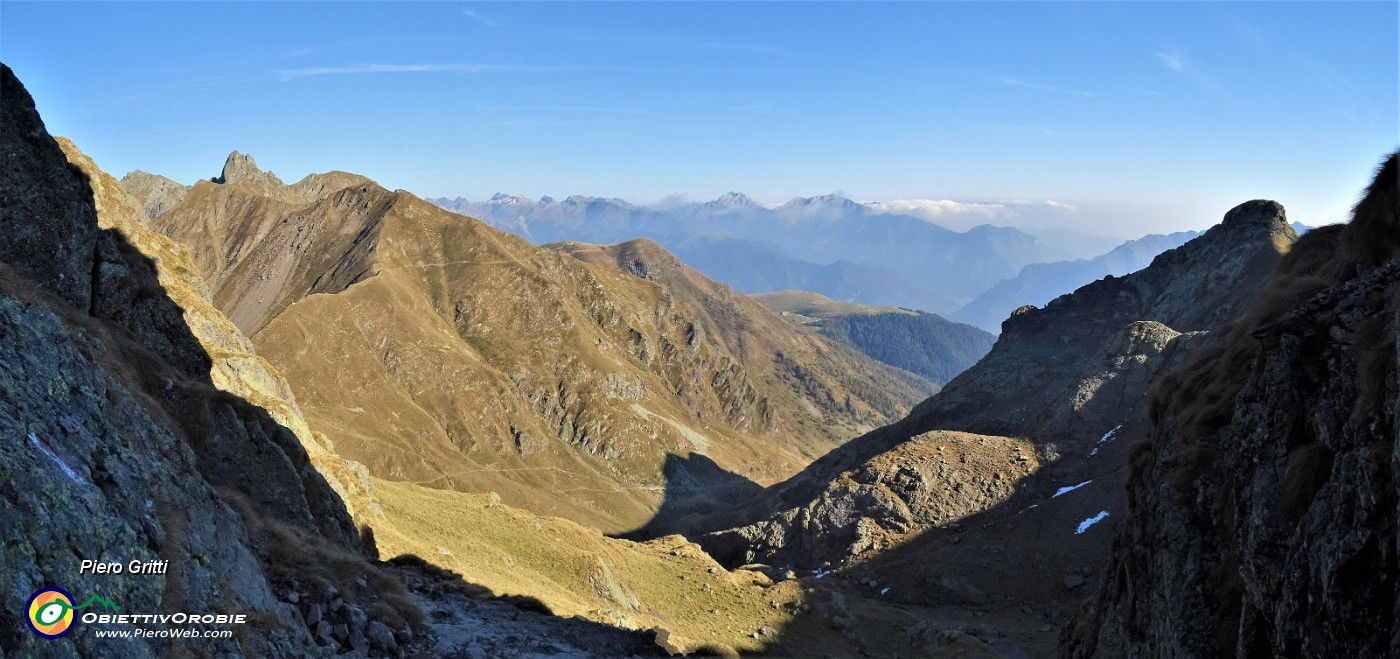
(439, 351)
(1074, 338)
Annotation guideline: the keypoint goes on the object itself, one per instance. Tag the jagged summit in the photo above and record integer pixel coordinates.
(238, 167)
(241, 169)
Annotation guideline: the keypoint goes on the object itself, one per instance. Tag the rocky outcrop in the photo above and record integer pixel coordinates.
(153, 192)
(1019, 387)
(47, 239)
(934, 479)
(240, 168)
(1038, 283)
(1263, 512)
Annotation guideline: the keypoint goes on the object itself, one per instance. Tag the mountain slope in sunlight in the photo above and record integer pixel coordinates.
(437, 350)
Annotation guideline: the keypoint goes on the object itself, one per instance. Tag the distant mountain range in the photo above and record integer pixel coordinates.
(874, 253)
(846, 250)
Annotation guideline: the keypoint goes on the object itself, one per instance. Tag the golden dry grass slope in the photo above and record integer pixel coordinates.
(439, 351)
(673, 586)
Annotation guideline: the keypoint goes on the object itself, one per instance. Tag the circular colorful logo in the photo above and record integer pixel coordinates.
(51, 612)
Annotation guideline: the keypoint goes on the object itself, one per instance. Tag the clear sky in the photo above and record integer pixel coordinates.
(1143, 116)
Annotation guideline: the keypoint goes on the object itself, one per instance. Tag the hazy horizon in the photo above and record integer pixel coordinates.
(1118, 119)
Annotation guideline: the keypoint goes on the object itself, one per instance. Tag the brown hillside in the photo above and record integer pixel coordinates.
(766, 344)
(439, 351)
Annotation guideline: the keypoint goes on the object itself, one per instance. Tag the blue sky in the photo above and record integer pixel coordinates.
(1142, 116)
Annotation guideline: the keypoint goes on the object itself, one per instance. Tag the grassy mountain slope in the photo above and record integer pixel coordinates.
(440, 351)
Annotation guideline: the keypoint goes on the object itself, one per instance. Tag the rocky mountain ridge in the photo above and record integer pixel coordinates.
(436, 349)
(1038, 283)
(1262, 509)
(998, 495)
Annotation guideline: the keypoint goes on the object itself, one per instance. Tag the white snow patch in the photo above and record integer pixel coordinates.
(72, 475)
(884, 590)
(818, 574)
(1109, 435)
(1084, 525)
(1094, 452)
(1069, 488)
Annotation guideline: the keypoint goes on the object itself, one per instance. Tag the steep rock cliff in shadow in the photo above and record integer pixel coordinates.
(1262, 510)
(118, 445)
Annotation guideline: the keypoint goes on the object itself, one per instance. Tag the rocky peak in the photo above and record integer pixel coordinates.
(155, 193)
(239, 167)
(503, 199)
(736, 199)
(1258, 212)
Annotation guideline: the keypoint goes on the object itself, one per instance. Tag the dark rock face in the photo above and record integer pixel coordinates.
(241, 168)
(117, 445)
(1264, 511)
(46, 237)
(1196, 287)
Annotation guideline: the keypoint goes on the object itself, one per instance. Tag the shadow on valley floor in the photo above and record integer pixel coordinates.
(470, 620)
(999, 582)
(695, 487)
